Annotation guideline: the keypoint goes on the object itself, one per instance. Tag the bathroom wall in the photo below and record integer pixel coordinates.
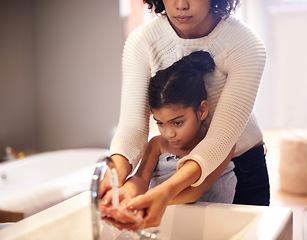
(288, 49)
(281, 24)
(59, 73)
(60, 70)
(78, 71)
(17, 84)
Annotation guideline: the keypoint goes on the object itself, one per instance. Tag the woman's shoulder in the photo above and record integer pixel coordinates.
(237, 30)
(238, 39)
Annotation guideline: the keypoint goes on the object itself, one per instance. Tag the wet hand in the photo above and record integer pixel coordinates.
(121, 217)
(153, 203)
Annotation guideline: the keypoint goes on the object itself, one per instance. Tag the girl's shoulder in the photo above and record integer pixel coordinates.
(154, 145)
(158, 142)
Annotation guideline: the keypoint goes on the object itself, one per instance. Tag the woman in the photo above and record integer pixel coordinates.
(182, 27)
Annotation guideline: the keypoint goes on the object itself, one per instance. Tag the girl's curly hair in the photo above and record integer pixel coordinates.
(222, 8)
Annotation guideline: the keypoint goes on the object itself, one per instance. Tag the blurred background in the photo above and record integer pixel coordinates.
(60, 73)
(60, 68)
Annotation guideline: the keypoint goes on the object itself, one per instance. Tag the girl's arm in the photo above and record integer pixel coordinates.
(176, 190)
(139, 182)
(155, 200)
(192, 194)
(134, 186)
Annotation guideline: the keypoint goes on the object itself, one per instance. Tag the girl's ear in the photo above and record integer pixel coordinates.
(203, 110)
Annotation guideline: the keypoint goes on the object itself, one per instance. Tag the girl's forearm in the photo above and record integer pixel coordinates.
(192, 194)
(135, 186)
(181, 180)
(139, 182)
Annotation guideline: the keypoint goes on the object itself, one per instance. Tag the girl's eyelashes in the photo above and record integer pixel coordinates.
(177, 123)
(159, 123)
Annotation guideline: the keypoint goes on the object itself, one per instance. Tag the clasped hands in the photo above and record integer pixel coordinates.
(142, 211)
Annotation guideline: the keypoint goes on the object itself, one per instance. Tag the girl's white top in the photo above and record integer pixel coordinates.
(239, 55)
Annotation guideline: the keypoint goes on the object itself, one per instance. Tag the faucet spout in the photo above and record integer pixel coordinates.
(95, 199)
(101, 164)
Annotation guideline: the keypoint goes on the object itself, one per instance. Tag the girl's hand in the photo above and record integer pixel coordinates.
(154, 203)
(124, 218)
(155, 200)
(121, 217)
(106, 203)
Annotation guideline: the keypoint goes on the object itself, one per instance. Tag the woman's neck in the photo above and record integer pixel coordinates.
(206, 29)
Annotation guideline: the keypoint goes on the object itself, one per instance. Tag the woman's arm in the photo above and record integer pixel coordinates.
(234, 89)
(123, 168)
(131, 136)
(130, 139)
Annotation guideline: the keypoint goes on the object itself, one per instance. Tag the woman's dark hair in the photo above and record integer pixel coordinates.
(222, 8)
(182, 82)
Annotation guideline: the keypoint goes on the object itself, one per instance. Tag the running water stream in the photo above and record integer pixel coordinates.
(114, 184)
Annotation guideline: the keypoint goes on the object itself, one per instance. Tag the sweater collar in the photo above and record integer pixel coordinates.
(167, 28)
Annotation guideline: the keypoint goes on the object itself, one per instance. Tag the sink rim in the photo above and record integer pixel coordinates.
(258, 228)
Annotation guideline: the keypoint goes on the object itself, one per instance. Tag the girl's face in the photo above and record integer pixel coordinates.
(179, 126)
(190, 18)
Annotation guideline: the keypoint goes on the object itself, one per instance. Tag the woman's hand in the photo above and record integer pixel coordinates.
(123, 169)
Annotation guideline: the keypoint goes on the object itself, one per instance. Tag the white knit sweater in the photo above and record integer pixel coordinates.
(232, 88)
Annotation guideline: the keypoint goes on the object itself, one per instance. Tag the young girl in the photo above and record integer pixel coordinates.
(180, 28)
(177, 99)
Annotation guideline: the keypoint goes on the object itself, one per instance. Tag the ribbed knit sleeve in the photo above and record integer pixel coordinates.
(131, 135)
(243, 64)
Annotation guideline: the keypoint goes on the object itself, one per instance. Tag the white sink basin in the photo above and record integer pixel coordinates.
(71, 219)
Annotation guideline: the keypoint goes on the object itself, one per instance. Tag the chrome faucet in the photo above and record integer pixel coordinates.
(95, 207)
(100, 166)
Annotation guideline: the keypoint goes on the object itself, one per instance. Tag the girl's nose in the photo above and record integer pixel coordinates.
(170, 133)
(182, 4)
